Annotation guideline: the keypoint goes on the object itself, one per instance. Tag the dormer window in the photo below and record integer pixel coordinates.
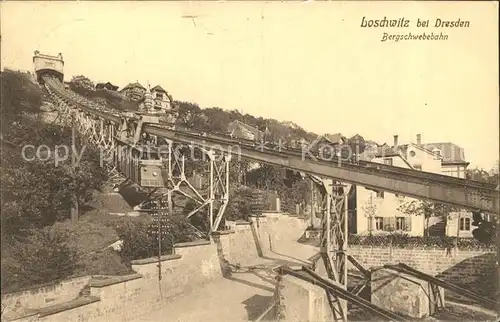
(437, 152)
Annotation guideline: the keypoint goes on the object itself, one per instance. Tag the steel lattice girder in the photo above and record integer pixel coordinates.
(411, 183)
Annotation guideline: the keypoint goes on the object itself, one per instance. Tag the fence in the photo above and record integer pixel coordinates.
(405, 241)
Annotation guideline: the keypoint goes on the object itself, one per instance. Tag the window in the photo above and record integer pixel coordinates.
(412, 153)
(388, 161)
(392, 223)
(159, 95)
(380, 194)
(400, 223)
(465, 224)
(417, 167)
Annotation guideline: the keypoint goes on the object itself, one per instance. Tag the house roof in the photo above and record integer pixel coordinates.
(106, 84)
(158, 88)
(239, 128)
(450, 152)
(133, 85)
(332, 138)
(403, 150)
(384, 151)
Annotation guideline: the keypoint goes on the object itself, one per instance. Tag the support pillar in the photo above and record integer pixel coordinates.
(334, 241)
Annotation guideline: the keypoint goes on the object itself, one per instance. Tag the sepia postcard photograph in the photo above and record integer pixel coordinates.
(249, 161)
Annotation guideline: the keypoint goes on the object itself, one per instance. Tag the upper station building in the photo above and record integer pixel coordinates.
(48, 65)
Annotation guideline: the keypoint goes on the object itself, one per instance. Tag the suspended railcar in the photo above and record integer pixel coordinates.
(142, 166)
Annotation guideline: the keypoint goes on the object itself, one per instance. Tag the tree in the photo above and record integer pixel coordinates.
(370, 210)
(267, 177)
(356, 144)
(37, 193)
(81, 85)
(478, 174)
(190, 116)
(217, 120)
(238, 170)
(485, 231)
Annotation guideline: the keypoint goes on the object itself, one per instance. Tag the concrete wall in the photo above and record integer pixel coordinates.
(54, 293)
(404, 294)
(238, 245)
(464, 266)
(127, 298)
(304, 302)
(197, 265)
(272, 235)
(134, 297)
(278, 235)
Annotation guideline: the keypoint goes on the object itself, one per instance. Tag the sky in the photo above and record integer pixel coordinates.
(306, 62)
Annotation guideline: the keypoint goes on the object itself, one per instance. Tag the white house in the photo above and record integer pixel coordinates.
(240, 130)
(377, 211)
(162, 100)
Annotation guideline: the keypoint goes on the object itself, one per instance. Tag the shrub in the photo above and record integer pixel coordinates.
(244, 201)
(140, 237)
(43, 255)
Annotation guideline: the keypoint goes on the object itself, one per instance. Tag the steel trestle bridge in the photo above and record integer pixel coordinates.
(122, 136)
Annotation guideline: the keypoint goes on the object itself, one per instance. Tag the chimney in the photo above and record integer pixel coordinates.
(419, 139)
(395, 140)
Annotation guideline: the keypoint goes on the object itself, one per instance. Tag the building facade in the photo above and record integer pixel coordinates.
(134, 91)
(241, 130)
(378, 212)
(161, 100)
(328, 146)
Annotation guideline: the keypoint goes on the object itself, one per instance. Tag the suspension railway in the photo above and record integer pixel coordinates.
(125, 136)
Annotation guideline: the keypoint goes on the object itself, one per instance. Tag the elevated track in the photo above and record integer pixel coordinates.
(472, 195)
